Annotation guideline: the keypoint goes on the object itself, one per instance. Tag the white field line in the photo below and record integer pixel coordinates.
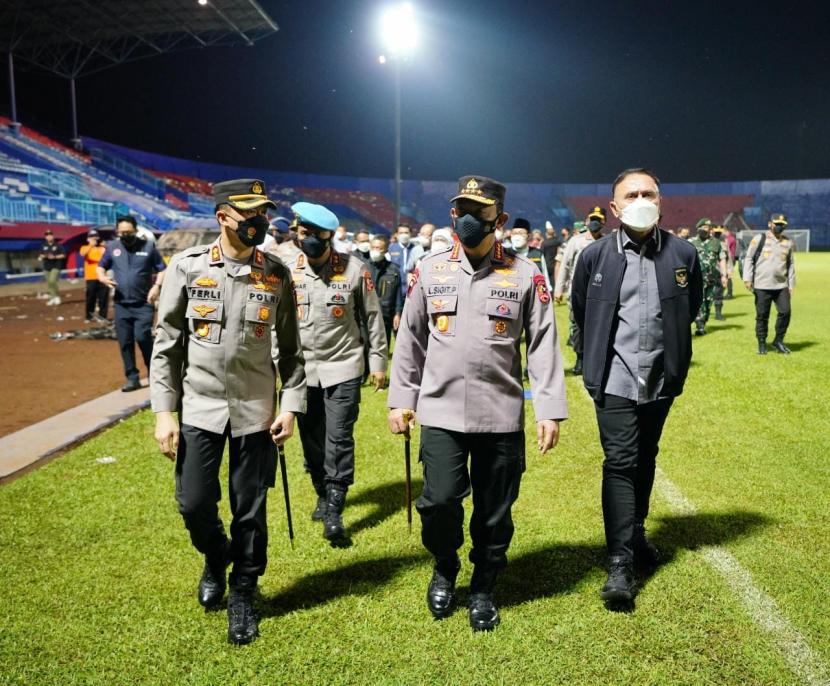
(804, 662)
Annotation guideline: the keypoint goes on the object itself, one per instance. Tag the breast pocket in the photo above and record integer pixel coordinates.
(503, 318)
(259, 319)
(442, 314)
(204, 320)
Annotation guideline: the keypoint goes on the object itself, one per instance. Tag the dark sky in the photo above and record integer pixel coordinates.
(566, 91)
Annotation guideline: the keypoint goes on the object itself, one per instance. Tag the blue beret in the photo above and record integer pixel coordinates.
(316, 215)
(281, 224)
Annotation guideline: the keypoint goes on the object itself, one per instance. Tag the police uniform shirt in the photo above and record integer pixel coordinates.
(223, 330)
(53, 256)
(457, 355)
(133, 269)
(330, 304)
(775, 267)
(573, 250)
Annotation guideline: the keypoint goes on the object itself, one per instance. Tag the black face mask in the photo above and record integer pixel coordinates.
(594, 226)
(702, 234)
(314, 246)
(251, 232)
(129, 239)
(472, 230)
(778, 229)
(718, 234)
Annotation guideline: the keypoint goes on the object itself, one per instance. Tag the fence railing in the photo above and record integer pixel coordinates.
(42, 208)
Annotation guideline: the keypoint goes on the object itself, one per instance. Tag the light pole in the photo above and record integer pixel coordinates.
(399, 34)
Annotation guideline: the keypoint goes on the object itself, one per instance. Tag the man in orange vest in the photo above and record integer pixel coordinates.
(96, 292)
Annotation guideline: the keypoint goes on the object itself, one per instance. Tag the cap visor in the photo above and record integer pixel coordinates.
(475, 198)
(252, 204)
(780, 223)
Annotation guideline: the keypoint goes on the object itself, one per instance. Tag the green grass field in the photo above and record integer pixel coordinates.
(98, 578)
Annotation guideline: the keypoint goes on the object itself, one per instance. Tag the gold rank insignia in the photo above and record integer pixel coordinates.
(203, 329)
(215, 254)
(505, 283)
(440, 304)
(442, 323)
(206, 282)
(256, 277)
(505, 271)
(273, 279)
(501, 326)
(265, 287)
(203, 310)
(339, 277)
(257, 188)
(472, 185)
(263, 314)
(439, 267)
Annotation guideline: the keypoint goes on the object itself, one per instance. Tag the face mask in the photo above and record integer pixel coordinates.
(314, 246)
(251, 232)
(640, 215)
(439, 245)
(718, 234)
(471, 230)
(426, 241)
(702, 234)
(404, 239)
(594, 226)
(778, 228)
(518, 242)
(129, 239)
(376, 256)
(364, 246)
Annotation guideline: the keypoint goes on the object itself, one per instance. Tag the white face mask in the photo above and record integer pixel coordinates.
(376, 256)
(426, 241)
(518, 242)
(404, 239)
(439, 245)
(640, 215)
(364, 246)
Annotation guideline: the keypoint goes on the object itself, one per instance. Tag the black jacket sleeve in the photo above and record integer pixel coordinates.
(696, 286)
(579, 289)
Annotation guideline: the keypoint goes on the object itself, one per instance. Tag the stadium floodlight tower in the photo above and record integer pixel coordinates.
(399, 34)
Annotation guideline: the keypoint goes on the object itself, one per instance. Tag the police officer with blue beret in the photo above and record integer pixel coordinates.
(138, 271)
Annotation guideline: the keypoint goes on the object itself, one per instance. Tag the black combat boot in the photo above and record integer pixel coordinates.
(762, 346)
(778, 344)
(212, 584)
(242, 622)
(619, 587)
(701, 327)
(719, 313)
(577, 370)
(441, 591)
(332, 520)
(646, 554)
(320, 509)
(484, 615)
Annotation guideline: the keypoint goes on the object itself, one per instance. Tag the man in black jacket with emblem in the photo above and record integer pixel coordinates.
(635, 295)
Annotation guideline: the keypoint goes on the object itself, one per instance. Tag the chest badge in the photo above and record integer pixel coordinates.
(259, 330)
(337, 311)
(439, 267)
(503, 309)
(263, 314)
(207, 282)
(597, 279)
(203, 310)
(501, 326)
(203, 329)
(681, 277)
(442, 323)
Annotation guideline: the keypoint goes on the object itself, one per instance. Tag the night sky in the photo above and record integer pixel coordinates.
(568, 91)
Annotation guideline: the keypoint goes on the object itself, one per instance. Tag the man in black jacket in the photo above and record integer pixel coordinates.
(635, 295)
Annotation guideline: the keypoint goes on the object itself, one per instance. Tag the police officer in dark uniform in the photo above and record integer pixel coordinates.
(458, 363)
(138, 271)
(226, 324)
(387, 278)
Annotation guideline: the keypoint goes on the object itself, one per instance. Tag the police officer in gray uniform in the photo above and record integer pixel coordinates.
(334, 293)
(458, 363)
(226, 323)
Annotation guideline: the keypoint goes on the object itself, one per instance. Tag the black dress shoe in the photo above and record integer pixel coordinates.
(484, 615)
(212, 586)
(762, 347)
(780, 347)
(441, 591)
(619, 587)
(646, 553)
(242, 622)
(577, 370)
(319, 510)
(333, 529)
(131, 385)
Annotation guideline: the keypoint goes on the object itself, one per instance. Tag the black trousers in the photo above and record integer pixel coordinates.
(497, 461)
(134, 324)
(252, 472)
(630, 437)
(763, 305)
(327, 432)
(96, 294)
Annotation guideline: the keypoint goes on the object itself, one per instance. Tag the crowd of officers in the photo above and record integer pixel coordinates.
(296, 305)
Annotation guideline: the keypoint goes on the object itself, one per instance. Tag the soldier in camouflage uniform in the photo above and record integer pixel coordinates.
(713, 269)
(717, 232)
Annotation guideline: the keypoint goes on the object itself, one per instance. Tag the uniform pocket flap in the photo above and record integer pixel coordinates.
(505, 309)
(208, 310)
(337, 297)
(442, 304)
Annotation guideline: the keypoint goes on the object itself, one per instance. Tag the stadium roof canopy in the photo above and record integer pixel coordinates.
(72, 38)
